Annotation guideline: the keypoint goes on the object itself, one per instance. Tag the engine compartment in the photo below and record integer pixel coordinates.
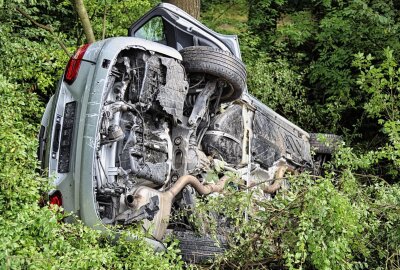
(146, 138)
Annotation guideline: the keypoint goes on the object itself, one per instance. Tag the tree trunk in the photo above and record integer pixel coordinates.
(190, 6)
(84, 18)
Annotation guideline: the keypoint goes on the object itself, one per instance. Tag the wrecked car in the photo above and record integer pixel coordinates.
(137, 122)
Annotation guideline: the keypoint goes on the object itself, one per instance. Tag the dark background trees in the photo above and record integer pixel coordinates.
(320, 39)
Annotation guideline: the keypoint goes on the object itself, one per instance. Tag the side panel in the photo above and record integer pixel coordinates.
(62, 131)
(274, 135)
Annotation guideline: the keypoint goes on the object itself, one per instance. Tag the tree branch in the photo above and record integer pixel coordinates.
(45, 27)
(104, 21)
(84, 18)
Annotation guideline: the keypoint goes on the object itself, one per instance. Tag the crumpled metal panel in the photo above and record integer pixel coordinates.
(224, 138)
(173, 93)
(278, 140)
(152, 78)
(264, 152)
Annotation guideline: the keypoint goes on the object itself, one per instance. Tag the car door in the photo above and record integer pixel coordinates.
(171, 26)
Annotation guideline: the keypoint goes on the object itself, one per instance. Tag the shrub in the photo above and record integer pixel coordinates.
(33, 237)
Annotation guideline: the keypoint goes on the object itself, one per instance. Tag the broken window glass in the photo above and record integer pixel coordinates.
(153, 30)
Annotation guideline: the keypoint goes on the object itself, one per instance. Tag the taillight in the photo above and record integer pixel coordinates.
(56, 198)
(74, 63)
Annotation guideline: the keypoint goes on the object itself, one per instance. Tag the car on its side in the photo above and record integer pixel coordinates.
(137, 122)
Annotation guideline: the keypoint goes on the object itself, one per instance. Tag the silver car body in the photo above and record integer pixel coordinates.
(71, 123)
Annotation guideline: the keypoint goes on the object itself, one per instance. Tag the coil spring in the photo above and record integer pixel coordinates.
(190, 100)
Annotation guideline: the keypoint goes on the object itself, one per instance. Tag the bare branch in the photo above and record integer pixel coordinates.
(45, 27)
(104, 21)
(84, 18)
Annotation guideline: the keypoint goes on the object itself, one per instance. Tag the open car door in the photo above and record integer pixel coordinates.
(171, 26)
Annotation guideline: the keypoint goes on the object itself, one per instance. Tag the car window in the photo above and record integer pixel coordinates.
(153, 30)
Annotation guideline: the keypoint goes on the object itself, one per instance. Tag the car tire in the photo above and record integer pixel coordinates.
(199, 249)
(219, 63)
(327, 146)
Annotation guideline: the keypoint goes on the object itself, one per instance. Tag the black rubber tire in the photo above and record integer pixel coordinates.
(199, 249)
(327, 146)
(219, 63)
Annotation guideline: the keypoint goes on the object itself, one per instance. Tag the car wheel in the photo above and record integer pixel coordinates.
(199, 248)
(218, 63)
(324, 143)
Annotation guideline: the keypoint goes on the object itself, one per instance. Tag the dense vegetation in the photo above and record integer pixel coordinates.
(329, 66)
(31, 63)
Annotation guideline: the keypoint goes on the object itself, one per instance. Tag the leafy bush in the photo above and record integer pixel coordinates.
(279, 86)
(335, 222)
(318, 40)
(34, 237)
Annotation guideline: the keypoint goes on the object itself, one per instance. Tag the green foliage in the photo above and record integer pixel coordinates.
(323, 65)
(17, 130)
(119, 15)
(335, 222)
(32, 56)
(296, 28)
(34, 237)
(227, 17)
(382, 85)
(327, 230)
(319, 39)
(279, 86)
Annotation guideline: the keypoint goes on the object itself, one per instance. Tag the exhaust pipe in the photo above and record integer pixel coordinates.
(195, 183)
(143, 195)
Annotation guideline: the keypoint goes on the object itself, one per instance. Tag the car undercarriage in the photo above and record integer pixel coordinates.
(135, 127)
(161, 132)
